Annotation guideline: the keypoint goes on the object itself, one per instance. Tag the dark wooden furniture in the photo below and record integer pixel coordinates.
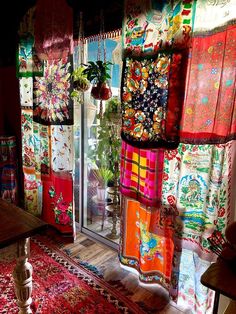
(17, 226)
(222, 279)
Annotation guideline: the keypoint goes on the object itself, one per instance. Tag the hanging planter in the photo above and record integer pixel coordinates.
(101, 91)
(80, 80)
(98, 74)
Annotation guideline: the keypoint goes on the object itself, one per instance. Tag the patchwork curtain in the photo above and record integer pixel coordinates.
(167, 242)
(53, 29)
(47, 131)
(8, 169)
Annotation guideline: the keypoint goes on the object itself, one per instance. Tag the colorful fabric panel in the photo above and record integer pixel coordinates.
(52, 101)
(28, 63)
(149, 253)
(8, 169)
(191, 294)
(26, 92)
(58, 200)
(33, 194)
(152, 98)
(53, 38)
(222, 12)
(42, 148)
(28, 156)
(209, 113)
(153, 25)
(197, 185)
(7, 149)
(62, 148)
(141, 173)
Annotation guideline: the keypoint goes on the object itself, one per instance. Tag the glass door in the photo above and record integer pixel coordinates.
(97, 167)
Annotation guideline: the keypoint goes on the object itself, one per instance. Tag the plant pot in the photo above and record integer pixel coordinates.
(101, 91)
(101, 193)
(81, 85)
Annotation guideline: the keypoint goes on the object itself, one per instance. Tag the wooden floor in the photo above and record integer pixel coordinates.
(106, 262)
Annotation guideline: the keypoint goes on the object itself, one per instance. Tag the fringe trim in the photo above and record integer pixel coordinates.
(113, 34)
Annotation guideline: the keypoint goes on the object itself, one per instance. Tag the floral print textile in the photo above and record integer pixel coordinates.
(33, 194)
(148, 88)
(209, 112)
(52, 101)
(58, 200)
(28, 158)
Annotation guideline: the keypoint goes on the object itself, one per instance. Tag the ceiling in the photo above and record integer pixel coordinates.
(10, 18)
(112, 12)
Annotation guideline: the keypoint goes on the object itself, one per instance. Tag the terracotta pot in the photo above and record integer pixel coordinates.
(101, 91)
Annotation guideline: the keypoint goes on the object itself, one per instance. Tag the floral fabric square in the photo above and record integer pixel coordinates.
(150, 118)
(52, 101)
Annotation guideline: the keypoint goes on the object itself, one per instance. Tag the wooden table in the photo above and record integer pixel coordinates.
(222, 279)
(17, 226)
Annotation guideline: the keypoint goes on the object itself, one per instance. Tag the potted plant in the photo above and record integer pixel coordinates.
(103, 176)
(109, 140)
(80, 81)
(113, 110)
(98, 74)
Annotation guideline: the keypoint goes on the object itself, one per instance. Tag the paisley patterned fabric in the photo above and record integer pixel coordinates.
(152, 100)
(209, 113)
(151, 25)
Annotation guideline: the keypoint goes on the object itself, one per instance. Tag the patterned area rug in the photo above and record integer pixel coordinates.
(60, 285)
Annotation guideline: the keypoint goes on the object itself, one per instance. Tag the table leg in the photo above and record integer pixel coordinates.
(22, 275)
(216, 302)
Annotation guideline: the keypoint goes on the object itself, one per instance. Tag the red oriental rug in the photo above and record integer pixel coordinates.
(62, 286)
